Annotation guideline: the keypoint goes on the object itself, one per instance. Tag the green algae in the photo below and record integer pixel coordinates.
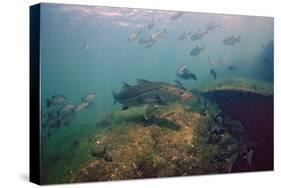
(240, 84)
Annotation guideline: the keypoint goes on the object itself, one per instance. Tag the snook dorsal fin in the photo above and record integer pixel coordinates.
(125, 86)
(142, 81)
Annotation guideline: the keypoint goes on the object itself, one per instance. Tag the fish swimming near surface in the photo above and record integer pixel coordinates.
(152, 24)
(149, 92)
(56, 100)
(135, 35)
(177, 15)
(184, 35)
(198, 36)
(211, 26)
(88, 98)
(213, 72)
(150, 44)
(155, 36)
(229, 41)
(144, 40)
(196, 51)
(232, 67)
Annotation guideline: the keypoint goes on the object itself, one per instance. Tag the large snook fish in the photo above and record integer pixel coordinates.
(149, 92)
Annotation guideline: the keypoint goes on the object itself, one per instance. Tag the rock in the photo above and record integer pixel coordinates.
(107, 157)
(99, 151)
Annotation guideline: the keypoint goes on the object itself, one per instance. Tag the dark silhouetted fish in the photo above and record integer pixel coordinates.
(177, 15)
(231, 40)
(232, 67)
(56, 100)
(185, 74)
(197, 36)
(149, 92)
(150, 44)
(53, 114)
(52, 123)
(213, 73)
(144, 40)
(192, 76)
(211, 26)
(196, 51)
(182, 72)
(184, 35)
(66, 119)
(152, 24)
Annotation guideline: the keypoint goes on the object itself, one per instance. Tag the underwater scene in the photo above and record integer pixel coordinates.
(135, 93)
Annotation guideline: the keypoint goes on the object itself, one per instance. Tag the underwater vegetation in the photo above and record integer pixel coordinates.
(129, 149)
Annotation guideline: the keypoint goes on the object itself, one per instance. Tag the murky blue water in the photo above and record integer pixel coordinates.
(86, 49)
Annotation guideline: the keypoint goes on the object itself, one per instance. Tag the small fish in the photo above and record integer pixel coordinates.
(135, 35)
(88, 98)
(52, 123)
(177, 15)
(67, 108)
(56, 100)
(198, 36)
(213, 73)
(184, 35)
(211, 26)
(192, 76)
(53, 114)
(150, 44)
(182, 72)
(155, 36)
(151, 24)
(178, 82)
(232, 67)
(232, 40)
(81, 106)
(66, 119)
(144, 40)
(196, 51)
